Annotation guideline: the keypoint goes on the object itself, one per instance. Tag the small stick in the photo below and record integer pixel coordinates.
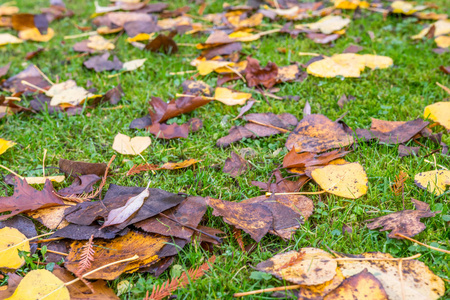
(236, 72)
(270, 126)
(440, 166)
(183, 72)
(43, 163)
(55, 252)
(11, 171)
(374, 258)
(264, 96)
(13, 98)
(296, 193)
(69, 37)
(186, 45)
(422, 244)
(43, 75)
(33, 86)
(194, 96)
(282, 288)
(115, 107)
(47, 240)
(443, 87)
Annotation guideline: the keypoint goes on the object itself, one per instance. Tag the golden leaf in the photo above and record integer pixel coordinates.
(433, 181)
(439, 112)
(11, 242)
(33, 34)
(99, 43)
(442, 41)
(5, 145)
(328, 25)
(229, 97)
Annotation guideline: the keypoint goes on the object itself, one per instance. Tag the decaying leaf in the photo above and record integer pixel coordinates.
(71, 167)
(363, 285)
(173, 131)
(11, 242)
(20, 201)
(418, 282)
(347, 180)
(327, 25)
(229, 97)
(281, 184)
(308, 266)
(406, 222)
(235, 165)
(51, 217)
(256, 75)
(130, 146)
(439, 112)
(316, 292)
(434, 182)
(40, 284)
(162, 43)
(317, 133)
(167, 166)
(301, 161)
(5, 145)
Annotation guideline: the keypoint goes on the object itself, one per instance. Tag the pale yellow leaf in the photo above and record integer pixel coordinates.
(329, 24)
(7, 38)
(42, 180)
(133, 64)
(73, 96)
(11, 242)
(130, 146)
(229, 97)
(442, 41)
(328, 68)
(97, 42)
(439, 112)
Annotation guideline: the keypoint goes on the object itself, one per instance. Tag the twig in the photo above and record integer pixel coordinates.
(183, 72)
(237, 73)
(296, 193)
(11, 171)
(75, 36)
(26, 240)
(375, 258)
(43, 162)
(33, 86)
(194, 96)
(13, 98)
(43, 75)
(443, 87)
(270, 126)
(422, 244)
(53, 251)
(264, 95)
(282, 288)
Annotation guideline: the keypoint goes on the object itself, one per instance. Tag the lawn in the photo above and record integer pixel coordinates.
(399, 93)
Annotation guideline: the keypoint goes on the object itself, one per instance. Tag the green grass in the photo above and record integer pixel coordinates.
(399, 93)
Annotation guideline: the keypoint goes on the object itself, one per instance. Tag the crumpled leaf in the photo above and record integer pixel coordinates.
(434, 182)
(418, 280)
(11, 242)
(130, 146)
(438, 112)
(38, 284)
(347, 180)
(5, 145)
(167, 166)
(33, 34)
(310, 159)
(121, 214)
(308, 266)
(26, 198)
(317, 133)
(363, 285)
(255, 75)
(406, 222)
(7, 38)
(229, 97)
(149, 248)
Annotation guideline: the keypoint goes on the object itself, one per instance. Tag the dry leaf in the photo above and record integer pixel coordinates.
(442, 41)
(229, 97)
(40, 284)
(327, 25)
(256, 75)
(71, 167)
(5, 145)
(433, 181)
(235, 165)
(99, 43)
(406, 8)
(133, 64)
(42, 180)
(317, 292)
(317, 133)
(441, 27)
(308, 266)
(439, 112)
(33, 34)
(418, 281)
(130, 146)
(167, 166)
(7, 38)
(11, 242)
(347, 180)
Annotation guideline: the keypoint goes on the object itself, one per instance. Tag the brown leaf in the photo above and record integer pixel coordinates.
(309, 159)
(406, 222)
(133, 28)
(344, 100)
(72, 167)
(173, 131)
(444, 69)
(30, 74)
(101, 63)
(188, 212)
(245, 108)
(79, 290)
(322, 38)
(225, 49)
(235, 134)
(167, 166)
(253, 218)
(84, 232)
(31, 54)
(29, 21)
(196, 87)
(62, 246)
(235, 165)
(281, 184)
(13, 282)
(162, 43)
(26, 198)
(81, 184)
(255, 76)
(359, 286)
(162, 111)
(317, 133)
(4, 69)
(353, 49)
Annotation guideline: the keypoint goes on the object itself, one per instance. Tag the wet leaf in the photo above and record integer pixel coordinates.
(20, 202)
(130, 146)
(439, 112)
(363, 285)
(317, 133)
(434, 182)
(11, 242)
(405, 222)
(347, 180)
(308, 266)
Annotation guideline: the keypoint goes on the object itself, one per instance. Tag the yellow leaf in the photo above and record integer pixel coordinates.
(40, 284)
(33, 34)
(433, 181)
(346, 4)
(230, 97)
(51, 217)
(11, 242)
(377, 61)
(130, 146)
(232, 68)
(99, 43)
(441, 27)
(7, 38)
(73, 96)
(439, 112)
(60, 87)
(208, 66)
(329, 24)
(406, 8)
(442, 41)
(42, 180)
(106, 30)
(141, 37)
(5, 145)
(6, 10)
(351, 60)
(133, 64)
(348, 180)
(328, 68)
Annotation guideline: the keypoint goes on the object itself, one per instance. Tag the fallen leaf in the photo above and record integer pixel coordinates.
(72, 167)
(5, 145)
(255, 75)
(38, 284)
(290, 73)
(405, 222)
(434, 182)
(229, 97)
(418, 282)
(24, 225)
(13, 282)
(33, 34)
(347, 180)
(322, 38)
(121, 214)
(130, 146)
(196, 87)
(406, 8)
(310, 159)
(133, 64)
(363, 285)
(317, 133)
(281, 184)
(4, 69)
(72, 96)
(438, 112)
(20, 202)
(173, 131)
(11, 242)
(7, 38)
(7, 9)
(51, 217)
(441, 27)
(235, 165)
(442, 41)
(163, 43)
(99, 43)
(167, 166)
(84, 232)
(327, 25)
(308, 266)
(101, 63)
(350, 4)
(407, 151)
(344, 99)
